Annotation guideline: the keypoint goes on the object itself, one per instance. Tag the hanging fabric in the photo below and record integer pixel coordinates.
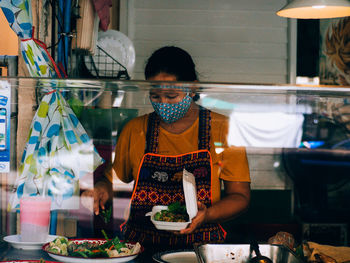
(36, 57)
(57, 155)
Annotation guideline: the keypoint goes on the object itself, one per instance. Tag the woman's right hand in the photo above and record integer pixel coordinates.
(99, 194)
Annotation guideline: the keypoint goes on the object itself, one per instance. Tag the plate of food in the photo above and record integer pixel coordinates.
(173, 217)
(16, 242)
(90, 250)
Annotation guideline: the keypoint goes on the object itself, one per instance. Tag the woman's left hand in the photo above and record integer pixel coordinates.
(198, 220)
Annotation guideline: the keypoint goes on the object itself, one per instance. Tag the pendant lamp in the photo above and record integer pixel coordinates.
(315, 9)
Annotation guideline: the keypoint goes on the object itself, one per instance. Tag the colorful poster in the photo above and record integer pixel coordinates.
(334, 63)
(5, 113)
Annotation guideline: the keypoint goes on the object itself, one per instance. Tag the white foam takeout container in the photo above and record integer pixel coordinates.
(190, 192)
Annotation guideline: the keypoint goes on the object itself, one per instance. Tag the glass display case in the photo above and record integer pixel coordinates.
(296, 140)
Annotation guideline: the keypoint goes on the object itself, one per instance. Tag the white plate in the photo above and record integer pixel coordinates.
(176, 256)
(27, 261)
(70, 259)
(119, 47)
(15, 241)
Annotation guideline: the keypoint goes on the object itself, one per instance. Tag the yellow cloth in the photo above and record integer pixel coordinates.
(230, 165)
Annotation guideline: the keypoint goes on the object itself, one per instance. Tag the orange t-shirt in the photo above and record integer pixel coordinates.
(230, 165)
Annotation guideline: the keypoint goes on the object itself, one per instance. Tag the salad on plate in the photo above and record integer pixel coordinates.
(92, 248)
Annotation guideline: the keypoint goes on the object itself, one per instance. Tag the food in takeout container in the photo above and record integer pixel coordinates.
(160, 213)
(173, 213)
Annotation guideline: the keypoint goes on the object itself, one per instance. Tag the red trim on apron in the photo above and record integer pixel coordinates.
(159, 182)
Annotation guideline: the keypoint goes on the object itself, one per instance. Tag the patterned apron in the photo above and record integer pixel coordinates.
(159, 182)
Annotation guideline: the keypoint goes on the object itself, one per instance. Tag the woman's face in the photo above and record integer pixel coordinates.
(166, 95)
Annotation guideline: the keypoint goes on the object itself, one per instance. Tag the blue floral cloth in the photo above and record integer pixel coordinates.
(57, 155)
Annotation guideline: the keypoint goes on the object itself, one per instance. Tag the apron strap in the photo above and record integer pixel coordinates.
(152, 133)
(203, 131)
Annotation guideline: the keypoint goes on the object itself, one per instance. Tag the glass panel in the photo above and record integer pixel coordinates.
(295, 137)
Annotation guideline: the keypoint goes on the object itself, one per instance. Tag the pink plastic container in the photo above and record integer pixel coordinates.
(35, 218)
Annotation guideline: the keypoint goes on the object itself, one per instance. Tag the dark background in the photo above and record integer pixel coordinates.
(308, 46)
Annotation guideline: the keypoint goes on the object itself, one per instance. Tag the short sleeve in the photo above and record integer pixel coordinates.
(234, 165)
(232, 161)
(122, 163)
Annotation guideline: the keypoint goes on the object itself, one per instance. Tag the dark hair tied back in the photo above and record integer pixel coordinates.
(171, 60)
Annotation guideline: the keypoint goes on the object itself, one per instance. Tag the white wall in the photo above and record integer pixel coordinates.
(230, 40)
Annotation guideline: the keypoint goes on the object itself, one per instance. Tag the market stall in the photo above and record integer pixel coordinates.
(269, 167)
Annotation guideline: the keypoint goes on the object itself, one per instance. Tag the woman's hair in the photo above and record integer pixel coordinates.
(338, 44)
(171, 60)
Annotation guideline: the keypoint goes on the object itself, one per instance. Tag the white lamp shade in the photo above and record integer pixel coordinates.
(315, 9)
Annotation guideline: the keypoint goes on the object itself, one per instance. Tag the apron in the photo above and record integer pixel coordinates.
(159, 182)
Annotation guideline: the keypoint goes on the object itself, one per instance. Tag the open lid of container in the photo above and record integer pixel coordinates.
(190, 191)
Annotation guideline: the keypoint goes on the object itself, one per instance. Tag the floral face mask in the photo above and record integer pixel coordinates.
(171, 112)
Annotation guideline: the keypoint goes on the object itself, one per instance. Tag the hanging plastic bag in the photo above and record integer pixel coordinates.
(57, 154)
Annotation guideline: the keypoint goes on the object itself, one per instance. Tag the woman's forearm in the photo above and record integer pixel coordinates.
(235, 202)
(227, 208)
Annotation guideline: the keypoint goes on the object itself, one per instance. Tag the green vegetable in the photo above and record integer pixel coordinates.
(104, 234)
(109, 242)
(117, 244)
(158, 216)
(54, 250)
(79, 254)
(177, 208)
(106, 214)
(175, 213)
(97, 254)
(62, 246)
(63, 240)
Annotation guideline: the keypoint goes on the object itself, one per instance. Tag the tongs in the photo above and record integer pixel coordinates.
(198, 255)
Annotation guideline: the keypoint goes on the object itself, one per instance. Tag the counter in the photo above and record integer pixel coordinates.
(10, 253)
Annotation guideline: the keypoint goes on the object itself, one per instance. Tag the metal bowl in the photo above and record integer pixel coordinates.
(241, 253)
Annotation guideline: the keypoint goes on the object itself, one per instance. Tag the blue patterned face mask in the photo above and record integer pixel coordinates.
(171, 112)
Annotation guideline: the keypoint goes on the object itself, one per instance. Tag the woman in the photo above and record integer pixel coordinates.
(178, 134)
